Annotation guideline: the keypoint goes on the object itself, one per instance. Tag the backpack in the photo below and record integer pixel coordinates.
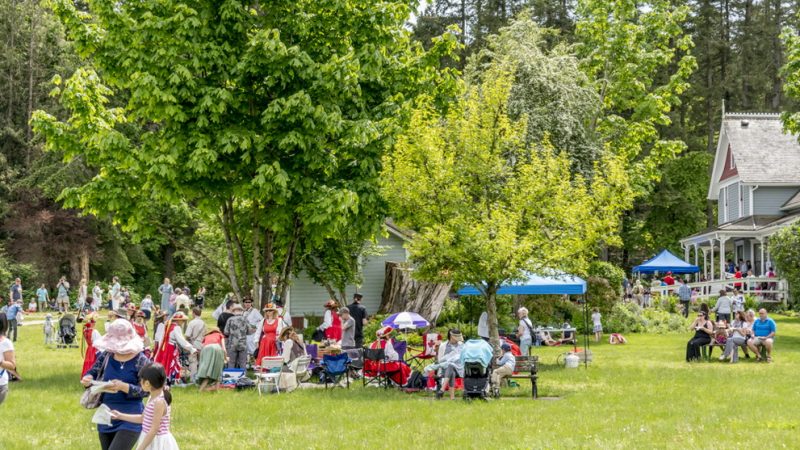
(415, 381)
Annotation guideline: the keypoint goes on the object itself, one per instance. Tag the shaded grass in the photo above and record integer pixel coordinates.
(642, 395)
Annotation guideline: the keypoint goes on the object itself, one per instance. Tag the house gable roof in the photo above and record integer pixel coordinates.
(764, 154)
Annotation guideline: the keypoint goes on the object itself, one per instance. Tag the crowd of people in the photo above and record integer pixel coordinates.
(745, 331)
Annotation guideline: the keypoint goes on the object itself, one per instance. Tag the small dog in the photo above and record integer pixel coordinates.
(48, 330)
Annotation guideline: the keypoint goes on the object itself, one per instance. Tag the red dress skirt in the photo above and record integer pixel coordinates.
(268, 345)
(335, 330)
(91, 353)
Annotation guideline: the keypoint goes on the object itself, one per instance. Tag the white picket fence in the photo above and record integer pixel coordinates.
(765, 290)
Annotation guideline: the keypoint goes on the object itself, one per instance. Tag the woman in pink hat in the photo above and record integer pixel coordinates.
(397, 370)
(118, 365)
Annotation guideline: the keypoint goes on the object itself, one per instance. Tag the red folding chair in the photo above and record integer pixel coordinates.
(431, 342)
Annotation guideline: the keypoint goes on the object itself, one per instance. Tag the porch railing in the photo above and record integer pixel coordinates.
(765, 290)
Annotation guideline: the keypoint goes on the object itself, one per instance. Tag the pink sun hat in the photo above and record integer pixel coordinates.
(120, 338)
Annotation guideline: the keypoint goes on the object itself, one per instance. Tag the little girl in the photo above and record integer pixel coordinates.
(156, 417)
(597, 326)
(48, 329)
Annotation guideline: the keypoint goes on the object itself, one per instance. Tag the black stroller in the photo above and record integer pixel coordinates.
(66, 332)
(477, 356)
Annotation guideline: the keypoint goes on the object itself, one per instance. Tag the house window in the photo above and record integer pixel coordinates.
(733, 162)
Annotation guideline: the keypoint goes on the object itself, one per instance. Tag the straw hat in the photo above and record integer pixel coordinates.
(331, 304)
(179, 316)
(385, 331)
(270, 307)
(122, 313)
(212, 330)
(285, 333)
(120, 338)
(237, 307)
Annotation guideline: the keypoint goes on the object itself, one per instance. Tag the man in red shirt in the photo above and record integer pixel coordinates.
(669, 280)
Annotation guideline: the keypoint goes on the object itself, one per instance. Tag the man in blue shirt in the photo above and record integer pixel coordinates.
(763, 335)
(15, 291)
(43, 297)
(685, 295)
(11, 315)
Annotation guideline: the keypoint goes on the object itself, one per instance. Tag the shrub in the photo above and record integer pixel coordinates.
(613, 274)
(784, 247)
(630, 318)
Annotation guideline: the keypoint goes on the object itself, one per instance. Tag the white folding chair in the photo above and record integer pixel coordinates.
(266, 376)
(299, 367)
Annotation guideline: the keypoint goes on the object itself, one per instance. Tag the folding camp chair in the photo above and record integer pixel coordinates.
(267, 375)
(300, 368)
(378, 358)
(334, 367)
(431, 341)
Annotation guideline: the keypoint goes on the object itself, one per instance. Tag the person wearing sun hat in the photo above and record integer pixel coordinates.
(331, 323)
(90, 336)
(118, 364)
(268, 332)
(398, 370)
(170, 342)
(253, 319)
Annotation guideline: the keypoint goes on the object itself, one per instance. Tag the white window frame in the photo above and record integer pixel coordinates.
(732, 165)
(741, 200)
(724, 192)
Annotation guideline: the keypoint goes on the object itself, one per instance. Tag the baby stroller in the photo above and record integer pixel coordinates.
(476, 356)
(66, 332)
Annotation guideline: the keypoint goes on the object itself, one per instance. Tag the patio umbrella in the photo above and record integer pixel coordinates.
(404, 320)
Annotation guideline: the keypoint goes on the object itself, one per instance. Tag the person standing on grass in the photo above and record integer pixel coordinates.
(83, 293)
(685, 296)
(12, 310)
(8, 361)
(42, 297)
(597, 326)
(166, 292)
(524, 331)
(62, 295)
(253, 319)
(195, 332)
(119, 363)
(359, 314)
(155, 419)
(15, 291)
(703, 329)
(348, 329)
(483, 326)
(236, 336)
(723, 307)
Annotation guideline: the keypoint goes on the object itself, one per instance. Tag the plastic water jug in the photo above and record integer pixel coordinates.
(571, 361)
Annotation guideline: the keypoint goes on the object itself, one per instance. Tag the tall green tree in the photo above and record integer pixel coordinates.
(486, 205)
(268, 120)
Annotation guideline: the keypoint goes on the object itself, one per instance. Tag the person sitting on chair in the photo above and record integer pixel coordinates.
(506, 365)
(448, 363)
(568, 337)
(763, 335)
(397, 370)
(292, 347)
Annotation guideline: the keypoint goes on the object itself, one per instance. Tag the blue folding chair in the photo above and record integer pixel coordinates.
(334, 366)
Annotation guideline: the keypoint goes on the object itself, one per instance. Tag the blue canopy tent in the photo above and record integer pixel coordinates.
(534, 284)
(666, 262)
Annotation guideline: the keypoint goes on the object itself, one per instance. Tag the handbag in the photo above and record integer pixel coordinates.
(90, 400)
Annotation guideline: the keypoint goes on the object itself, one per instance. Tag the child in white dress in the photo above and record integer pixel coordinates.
(48, 330)
(155, 419)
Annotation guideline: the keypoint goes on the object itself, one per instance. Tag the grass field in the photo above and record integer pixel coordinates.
(642, 395)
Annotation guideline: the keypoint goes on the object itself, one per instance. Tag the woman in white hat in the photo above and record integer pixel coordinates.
(397, 370)
(119, 365)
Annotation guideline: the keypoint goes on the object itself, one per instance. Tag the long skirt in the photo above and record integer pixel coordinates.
(212, 360)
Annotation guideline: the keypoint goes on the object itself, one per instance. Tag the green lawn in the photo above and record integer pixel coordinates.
(642, 395)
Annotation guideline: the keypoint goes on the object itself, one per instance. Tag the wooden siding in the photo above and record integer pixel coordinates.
(767, 200)
(746, 200)
(308, 298)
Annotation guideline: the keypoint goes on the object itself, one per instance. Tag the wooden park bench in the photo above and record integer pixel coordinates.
(527, 367)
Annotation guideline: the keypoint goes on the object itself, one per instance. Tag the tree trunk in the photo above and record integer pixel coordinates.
(233, 277)
(169, 261)
(491, 313)
(31, 54)
(84, 263)
(401, 292)
(11, 35)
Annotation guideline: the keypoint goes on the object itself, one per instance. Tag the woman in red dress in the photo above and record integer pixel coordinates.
(332, 322)
(90, 335)
(270, 328)
(398, 371)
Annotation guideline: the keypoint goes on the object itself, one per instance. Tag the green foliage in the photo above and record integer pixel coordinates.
(638, 59)
(630, 318)
(784, 247)
(608, 271)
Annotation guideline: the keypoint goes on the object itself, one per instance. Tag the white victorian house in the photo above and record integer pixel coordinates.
(756, 184)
